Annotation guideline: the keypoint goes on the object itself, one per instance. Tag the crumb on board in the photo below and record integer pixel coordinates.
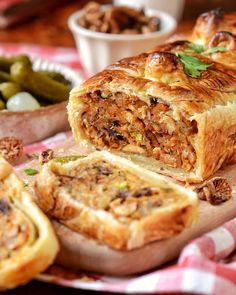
(45, 156)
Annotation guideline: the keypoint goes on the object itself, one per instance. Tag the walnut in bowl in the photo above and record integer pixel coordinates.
(109, 39)
(118, 20)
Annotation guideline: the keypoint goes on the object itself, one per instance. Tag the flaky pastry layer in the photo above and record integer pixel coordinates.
(28, 244)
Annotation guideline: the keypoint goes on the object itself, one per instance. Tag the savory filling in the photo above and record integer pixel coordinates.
(102, 185)
(118, 121)
(14, 228)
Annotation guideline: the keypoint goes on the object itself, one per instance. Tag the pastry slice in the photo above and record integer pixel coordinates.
(28, 244)
(114, 201)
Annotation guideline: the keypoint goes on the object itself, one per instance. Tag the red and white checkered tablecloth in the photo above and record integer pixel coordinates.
(207, 265)
(62, 55)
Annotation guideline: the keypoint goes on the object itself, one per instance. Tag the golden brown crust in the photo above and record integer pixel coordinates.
(209, 23)
(216, 28)
(28, 243)
(118, 230)
(144, 75)
(222, 39)
(228, 40)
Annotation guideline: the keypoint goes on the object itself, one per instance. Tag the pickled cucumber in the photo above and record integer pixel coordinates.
(8, 89)
(2, 105)
(4, 77)
(57, 77)
(7, 62)
(39, 84)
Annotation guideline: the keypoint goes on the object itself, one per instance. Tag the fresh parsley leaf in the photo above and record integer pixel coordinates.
(193, 47)
(192, 65)
(30, 171)
(214, 50)
(233, 136)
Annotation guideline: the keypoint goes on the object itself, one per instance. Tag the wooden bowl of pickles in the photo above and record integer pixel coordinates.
(33, 97)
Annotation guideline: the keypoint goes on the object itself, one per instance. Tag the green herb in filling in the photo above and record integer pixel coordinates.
(137, 136)
(66, 159)
(31, 172)
(121, 185)
(105, 95)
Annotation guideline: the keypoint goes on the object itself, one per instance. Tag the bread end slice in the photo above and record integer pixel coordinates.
(28, 242)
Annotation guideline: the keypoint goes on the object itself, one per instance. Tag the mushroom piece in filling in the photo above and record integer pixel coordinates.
(15, 229)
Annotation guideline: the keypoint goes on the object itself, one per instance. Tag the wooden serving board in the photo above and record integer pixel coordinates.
(80, 252)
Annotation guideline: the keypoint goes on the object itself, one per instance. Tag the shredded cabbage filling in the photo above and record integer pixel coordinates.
(121, 122)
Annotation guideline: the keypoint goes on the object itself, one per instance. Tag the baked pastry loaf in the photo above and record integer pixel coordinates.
(28, 244)
(114, 201)
(171, 109)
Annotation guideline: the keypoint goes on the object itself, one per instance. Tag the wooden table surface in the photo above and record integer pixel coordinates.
(51, 29)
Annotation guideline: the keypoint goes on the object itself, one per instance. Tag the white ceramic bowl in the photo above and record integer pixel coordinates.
(98, 50)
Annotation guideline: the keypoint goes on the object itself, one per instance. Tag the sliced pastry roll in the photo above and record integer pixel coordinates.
(172, 123)
(28, 244)
(114, 201)
(171, 109)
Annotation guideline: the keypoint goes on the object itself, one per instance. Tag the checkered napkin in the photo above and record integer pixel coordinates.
(206, 266)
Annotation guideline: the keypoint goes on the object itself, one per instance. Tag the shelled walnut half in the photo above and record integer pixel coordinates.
(11, 148)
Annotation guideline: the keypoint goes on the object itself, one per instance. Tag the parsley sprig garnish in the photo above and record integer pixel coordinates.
(193, 66)
(214, 50)
(193, 47)
(198, 48)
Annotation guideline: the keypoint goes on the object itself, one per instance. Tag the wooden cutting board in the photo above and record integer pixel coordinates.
(80, 252)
